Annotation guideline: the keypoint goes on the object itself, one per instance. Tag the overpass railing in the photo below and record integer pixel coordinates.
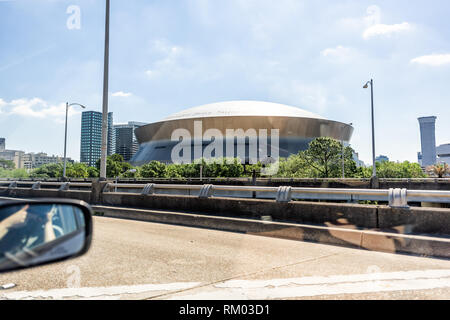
(395, 197)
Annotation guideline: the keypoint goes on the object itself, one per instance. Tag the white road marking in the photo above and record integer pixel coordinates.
(262, 289)
(401, 275)
(316, 286)
(91, 292)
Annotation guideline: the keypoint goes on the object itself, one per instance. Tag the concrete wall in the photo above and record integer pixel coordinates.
(413, 220)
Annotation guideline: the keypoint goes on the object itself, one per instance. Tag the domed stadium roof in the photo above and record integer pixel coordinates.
(242, 108)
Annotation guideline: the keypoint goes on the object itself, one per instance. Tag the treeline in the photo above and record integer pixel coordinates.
(323, 159)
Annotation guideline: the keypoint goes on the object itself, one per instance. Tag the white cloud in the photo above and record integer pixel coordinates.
(338, 52)
(121, 94)
(434, 60)
(36, 108)
(386, 29)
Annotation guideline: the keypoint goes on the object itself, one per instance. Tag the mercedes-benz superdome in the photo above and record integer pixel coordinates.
(271, 130)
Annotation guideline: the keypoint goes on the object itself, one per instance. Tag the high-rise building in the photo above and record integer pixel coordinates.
(2, 144)
(428, 140)
(443, 152)
(111, 136)
(91, 137)
(381, 158)
(125, 139)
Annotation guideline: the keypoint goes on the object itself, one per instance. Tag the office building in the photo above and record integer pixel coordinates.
(36, 160)
(381, 158)
(428, 140)
(91, 137)
(15, 156)
(126, 143)
(2, 144)
(443, 153)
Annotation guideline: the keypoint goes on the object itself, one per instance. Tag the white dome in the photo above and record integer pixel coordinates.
(242, 108)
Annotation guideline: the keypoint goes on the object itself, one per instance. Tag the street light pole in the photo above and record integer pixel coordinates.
(65, 141)
(343, 163)
(65, 134)
(105, 98)
(374, 168)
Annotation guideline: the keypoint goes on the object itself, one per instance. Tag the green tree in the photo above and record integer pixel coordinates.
(53, 170)
(174, 170)
(14, 173)
(77, 170)
(7, 164)
(115, 166)
(132, 172)
(323, 159)
(93, 172)
(154, 169)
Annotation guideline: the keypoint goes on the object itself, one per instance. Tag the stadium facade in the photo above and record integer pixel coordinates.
(274, 129)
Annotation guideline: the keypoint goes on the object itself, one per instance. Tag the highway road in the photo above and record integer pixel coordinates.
(141, 260)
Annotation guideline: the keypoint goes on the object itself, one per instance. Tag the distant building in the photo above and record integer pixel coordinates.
(359, 163)
(15, 156)
(381, 158)
(443, 153)
(111, 136)
(31, 160)
(2, 144)
(91, 137)
(428, 140)
(36, 160)
(126, 143)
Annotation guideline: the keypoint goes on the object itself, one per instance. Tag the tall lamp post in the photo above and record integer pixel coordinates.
(105, 98)
(65, 134)
(374, 169)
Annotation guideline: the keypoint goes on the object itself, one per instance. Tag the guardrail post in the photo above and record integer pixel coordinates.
(12, 185)
(398, 198)
(148, 189)
(97, 189)
(206, 191)
(284, 194)
(65, 186)
(107, 187)
(36, 185)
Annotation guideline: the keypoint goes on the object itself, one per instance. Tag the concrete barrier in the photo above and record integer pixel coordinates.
(415, 220)
(364, 216)
(403, 220)
(46, 193)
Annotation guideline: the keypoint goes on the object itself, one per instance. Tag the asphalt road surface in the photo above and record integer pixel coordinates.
(142, 260)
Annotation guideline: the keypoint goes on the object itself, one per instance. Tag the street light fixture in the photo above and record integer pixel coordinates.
(65, 134)
(374, 169)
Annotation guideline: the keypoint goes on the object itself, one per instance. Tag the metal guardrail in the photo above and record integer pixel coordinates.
(36, 185)
(395, 197)
(222, 179)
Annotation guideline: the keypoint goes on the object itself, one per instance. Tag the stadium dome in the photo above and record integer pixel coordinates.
(294, 127)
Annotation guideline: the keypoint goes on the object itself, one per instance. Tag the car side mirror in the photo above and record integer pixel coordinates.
(43, 231)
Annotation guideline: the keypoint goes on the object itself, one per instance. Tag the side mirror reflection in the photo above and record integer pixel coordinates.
(33, 233)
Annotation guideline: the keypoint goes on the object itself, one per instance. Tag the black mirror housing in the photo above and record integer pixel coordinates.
(38, 232)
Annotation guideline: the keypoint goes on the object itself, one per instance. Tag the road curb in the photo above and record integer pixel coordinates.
(362, 239)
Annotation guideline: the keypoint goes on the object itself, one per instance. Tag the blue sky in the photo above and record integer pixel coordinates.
(167, 56)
